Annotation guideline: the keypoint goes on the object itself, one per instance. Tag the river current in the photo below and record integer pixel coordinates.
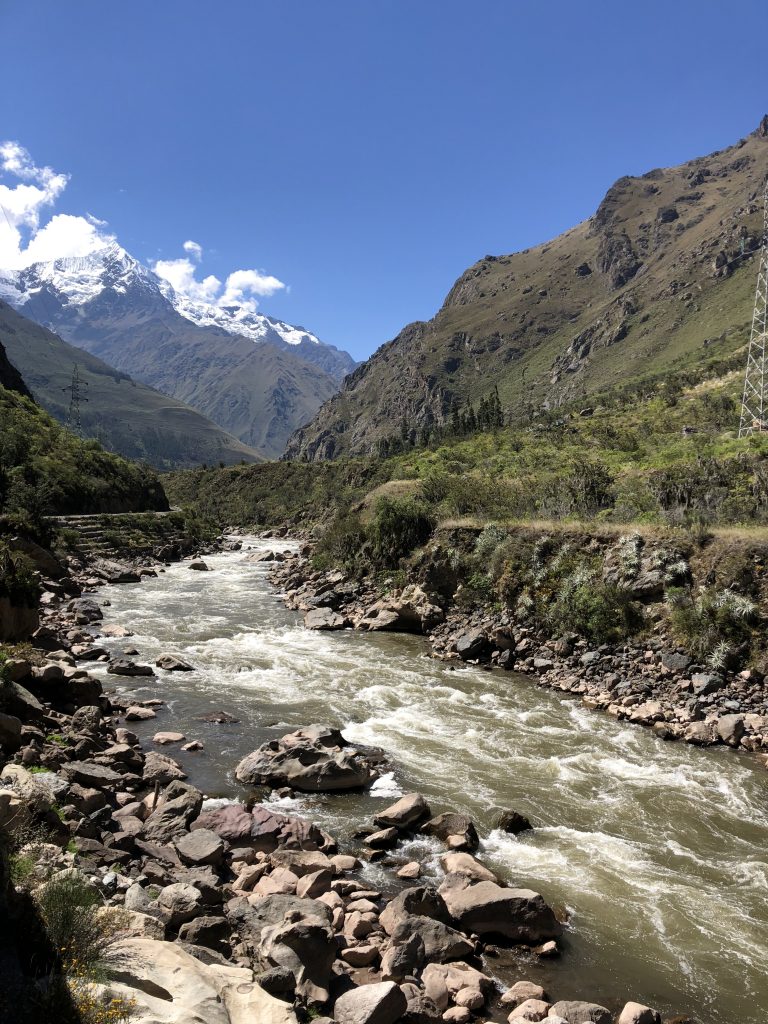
(658, 851)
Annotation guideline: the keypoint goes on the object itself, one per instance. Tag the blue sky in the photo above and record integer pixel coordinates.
(365, 152)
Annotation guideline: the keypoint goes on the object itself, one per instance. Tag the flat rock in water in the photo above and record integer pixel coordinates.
(170, 663)
(164, 738)
(135, 713)
(125, 667)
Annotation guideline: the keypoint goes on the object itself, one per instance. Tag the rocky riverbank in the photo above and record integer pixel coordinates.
(238, 912)
(653, 682)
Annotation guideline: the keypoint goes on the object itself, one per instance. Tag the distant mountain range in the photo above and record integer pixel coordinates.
(256, 377)
(660, 279)
(125, 416)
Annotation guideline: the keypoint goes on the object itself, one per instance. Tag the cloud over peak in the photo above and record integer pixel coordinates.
(241, 288)
(29, 189)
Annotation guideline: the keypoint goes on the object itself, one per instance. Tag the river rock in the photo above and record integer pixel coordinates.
(473, 644)
(304, 760)
(261, 829)
(381, 1003)
(442, 982)
(181, 805)
(576, 1012)
(407, 812)
(180, 902)
(89, 775)
(520, 991)
(165, 983)
(730, 729)
(136, 713)
(198, 565)
(513, 823)
(84, 610)
(324, 619)
(126, 667)
(161, 768)
(10, 733)
(636, 1013)
(485, 908)
(201, 846)
(164, 738)
(170, 663)
(447, 825)
(529, 1010)
(410, 611)
(465, 864)
(403, 958)
(211, 932)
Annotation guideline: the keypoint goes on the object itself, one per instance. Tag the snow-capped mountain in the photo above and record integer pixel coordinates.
(257, 377)
(79, 280)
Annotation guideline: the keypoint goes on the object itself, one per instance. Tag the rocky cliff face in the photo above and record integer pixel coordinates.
(661, 277)
(10, 378)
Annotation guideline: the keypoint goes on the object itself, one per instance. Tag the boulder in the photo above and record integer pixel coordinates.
(381, 1003)
(485, 908)
(166, 984)
(324, 619)
(10, 733)
(529, 1010)
(403, 958)
(126, 667)
(164, 738)
(305, 761)
(521, 991)
(445, 826)
(198, 565)
(136, 713)
(261, 829)
(407, 812)
(170, 663)
(442, 982)
(180, 805)
(200, 847)
(576, 1012)
(180, 902)
(636, 1013)
(84, 610)
(473, 644)
(465, 864)
(441, 942)
(211, 932)
(730, 729)
(410, 611)
(89, 775)
(513, 823)
(162, 769)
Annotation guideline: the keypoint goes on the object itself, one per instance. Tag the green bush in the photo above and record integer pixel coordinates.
(599, 611)
(399, 525)
(343, 543)
(712, 625)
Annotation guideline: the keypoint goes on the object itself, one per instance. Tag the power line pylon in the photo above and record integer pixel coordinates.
(76, 391)
(753, 402)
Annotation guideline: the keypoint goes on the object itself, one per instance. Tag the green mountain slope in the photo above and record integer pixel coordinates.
(661, 278)
(123, 415)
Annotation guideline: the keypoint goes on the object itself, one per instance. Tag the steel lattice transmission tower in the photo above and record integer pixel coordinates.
(754, 403)
(76, 391)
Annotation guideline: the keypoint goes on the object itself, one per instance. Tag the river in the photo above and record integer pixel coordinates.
(659, 851)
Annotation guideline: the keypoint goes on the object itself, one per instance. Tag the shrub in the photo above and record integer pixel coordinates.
(713, 624)
(399, 525)
(344, 542)
(599, 611)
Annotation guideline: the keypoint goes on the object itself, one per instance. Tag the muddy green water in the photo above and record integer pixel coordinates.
(658, 850)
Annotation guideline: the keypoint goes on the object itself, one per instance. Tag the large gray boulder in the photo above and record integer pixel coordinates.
(405, 814)
(636, 1013)
(203, 846)
(576, 1012)
(172, 817)
(262, 829)
(421, 910)
(305, 760)
(485, 908)
(382, 1003)
(288, 932)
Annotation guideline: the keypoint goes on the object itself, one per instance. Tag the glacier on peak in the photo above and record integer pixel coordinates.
(78, 280)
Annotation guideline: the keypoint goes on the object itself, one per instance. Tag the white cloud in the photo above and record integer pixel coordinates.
(194, 249)
(180, 274)
(22, 240)
(241, 287)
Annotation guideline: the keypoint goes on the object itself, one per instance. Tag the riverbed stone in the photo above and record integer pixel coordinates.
(180, 806)
(636, 1013)
(324, 619)
(451, 824)
(575, 1011)
(485, 908)
(381, 1003)
(529, 1010)
(172, 663)
(407, 812)
(465, 864)
(126, 667)
(180, 902)
(520, 991)
(200, 847)
(305, 761)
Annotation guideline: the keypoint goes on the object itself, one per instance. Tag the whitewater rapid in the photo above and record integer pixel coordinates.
(658, 851)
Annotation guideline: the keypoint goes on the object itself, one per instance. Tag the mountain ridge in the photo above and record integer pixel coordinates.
(658, 277)
(110, 305)
(127, 417)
